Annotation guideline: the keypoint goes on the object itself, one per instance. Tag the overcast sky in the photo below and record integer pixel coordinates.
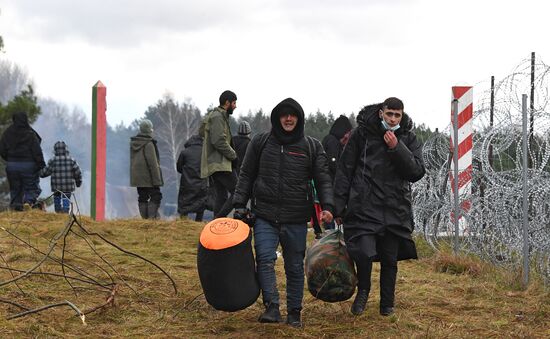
(329, 55)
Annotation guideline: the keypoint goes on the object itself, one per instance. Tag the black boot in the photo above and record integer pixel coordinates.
(360, 302)
(143, 210)
(153, 210)
(386, 310)
(271, 314)
(293, 318)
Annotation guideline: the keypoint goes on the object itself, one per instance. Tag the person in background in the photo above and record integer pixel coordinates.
(218, 153)
(145, 171)
(20, 148)
(240, 143)
(372, 193)
(334, 143)
(193, 189)
(65, 175)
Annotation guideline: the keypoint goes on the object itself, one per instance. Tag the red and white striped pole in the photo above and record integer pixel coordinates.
(99, 148)
(462, 96)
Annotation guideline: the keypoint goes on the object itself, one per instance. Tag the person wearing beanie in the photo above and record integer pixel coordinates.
(334, 142)
(20, 148)
(372, 193)
(145, 171)
(275, 176)
(65, 174)
(218, 154)
(240, 142)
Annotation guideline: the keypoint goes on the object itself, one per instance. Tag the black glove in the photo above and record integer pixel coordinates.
(245, 216)
(241, 214)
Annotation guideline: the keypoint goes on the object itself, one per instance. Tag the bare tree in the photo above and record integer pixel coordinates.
(13, 80)
(173, 123)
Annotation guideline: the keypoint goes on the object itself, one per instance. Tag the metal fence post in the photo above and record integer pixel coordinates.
(525, 198)
(455, 175)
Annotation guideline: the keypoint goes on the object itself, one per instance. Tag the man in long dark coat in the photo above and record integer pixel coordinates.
(372, 193)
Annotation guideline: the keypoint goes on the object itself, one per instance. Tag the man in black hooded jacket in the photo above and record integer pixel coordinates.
(372, 194)
(275, 175)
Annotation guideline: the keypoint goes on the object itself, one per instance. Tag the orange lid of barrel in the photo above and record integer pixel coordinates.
(223, 233)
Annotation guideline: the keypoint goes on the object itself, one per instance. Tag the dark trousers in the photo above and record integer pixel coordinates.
(224, 185)
(146, 194)
(24, 183)
(387, 247)
(198, 215)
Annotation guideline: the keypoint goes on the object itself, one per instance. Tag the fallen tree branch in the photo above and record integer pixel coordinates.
(12, 275)
(110, 301)
(50, 249)
(127, 252)
(55, 275)
(5, 301)
(73, 268)
(40, 309)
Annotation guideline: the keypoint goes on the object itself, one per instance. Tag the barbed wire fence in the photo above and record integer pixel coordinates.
(492, 227)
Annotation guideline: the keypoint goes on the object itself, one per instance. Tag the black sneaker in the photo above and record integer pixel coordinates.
(293, 318)
(271, 314)
(360, 302)
(386, 310)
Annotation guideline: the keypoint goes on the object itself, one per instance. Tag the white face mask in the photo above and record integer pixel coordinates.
(388, 128)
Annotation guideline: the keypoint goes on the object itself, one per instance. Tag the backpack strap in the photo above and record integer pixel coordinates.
(312, 153)
(263, 141)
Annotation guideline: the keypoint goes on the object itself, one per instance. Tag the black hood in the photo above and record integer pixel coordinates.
(193, 141)
(21, 120)
(277, 130)
(20, 131)
(368, 118)
(341, 126)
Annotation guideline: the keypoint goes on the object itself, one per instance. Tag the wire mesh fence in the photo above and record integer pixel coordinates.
(492, 226)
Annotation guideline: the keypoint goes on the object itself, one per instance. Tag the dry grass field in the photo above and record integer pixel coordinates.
(438, 296)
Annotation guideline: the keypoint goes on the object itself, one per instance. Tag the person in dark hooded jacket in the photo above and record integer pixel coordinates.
(65, 174)
(334, 142)
(145, 171)
(193, 189)
(275, 175)
(372, 192)
(20, 147)
(240, 143)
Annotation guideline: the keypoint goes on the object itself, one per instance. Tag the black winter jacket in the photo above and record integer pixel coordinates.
(331, 142)
(240, 143)
(372, 185)
(21, 143)
(193, 190)
(277, 177)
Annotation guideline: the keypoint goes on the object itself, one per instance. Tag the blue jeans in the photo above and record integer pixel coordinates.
(62, 202)
(292, 237)
(24, 183)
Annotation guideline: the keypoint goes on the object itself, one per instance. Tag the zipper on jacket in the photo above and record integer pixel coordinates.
(281, 159)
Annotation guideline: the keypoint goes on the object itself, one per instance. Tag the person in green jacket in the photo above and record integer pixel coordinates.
(145, 172)
(218, 153)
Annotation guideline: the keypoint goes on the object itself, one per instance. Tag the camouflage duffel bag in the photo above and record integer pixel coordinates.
(329, 269)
